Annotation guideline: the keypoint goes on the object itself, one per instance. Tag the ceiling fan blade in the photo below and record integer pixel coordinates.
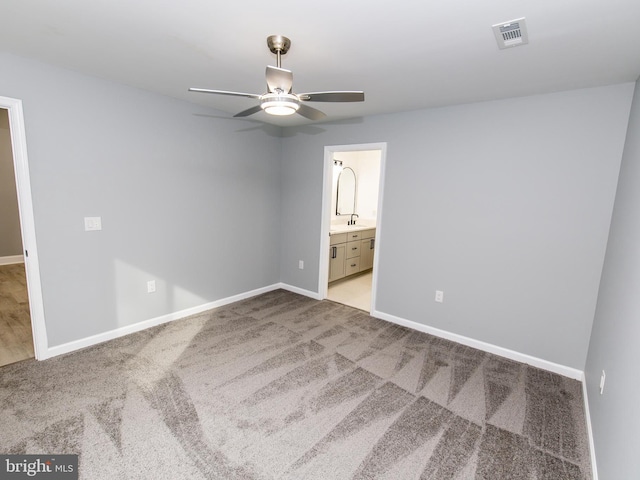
(352, 96)
(224, 92)
(279, 79)
(310, 112)
(249, 111)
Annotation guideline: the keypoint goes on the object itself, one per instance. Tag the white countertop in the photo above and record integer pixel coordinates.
(336, 229)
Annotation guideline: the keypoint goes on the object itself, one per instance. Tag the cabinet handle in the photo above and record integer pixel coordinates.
(353, 264)
(334, 252)
(372, 244)
(354, 236)
(354, 248)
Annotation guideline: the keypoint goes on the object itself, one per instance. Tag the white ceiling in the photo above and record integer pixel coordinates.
(405, 54)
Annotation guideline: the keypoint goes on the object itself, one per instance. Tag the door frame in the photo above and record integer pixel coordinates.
(27, 223)
(323, 277)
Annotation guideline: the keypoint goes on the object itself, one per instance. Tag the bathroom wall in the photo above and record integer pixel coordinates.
(366, 165)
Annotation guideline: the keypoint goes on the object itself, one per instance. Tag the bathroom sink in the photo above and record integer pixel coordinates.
(348, 228)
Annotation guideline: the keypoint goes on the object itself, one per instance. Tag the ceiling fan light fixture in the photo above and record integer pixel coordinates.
(279, 108)
(275, 104)
(279, 99)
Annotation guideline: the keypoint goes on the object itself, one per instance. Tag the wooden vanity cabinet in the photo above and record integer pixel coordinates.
(350, 253)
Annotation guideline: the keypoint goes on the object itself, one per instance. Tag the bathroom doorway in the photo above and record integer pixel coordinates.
(351, 224)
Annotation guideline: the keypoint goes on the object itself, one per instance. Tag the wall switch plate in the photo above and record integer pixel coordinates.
(301, 264)
(92, 223)
(439, 296)
(151, 286)
(603, 377)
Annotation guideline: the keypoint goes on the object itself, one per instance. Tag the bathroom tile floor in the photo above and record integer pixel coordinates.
(354, 291)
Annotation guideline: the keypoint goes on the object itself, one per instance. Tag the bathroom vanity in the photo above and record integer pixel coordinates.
(350, 251)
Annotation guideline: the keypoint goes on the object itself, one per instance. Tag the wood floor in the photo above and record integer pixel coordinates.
(16, 341)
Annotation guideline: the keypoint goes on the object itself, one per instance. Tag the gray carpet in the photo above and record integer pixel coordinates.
(281, 386)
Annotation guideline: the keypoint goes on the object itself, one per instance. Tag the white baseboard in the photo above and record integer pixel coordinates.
(587, 413)
(487, 347)
(136, 327)
(143, 325)
(300, 291)
(11, 259)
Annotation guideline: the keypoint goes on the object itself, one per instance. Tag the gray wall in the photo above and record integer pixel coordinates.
(616, 329)
(509, 218)
(10, 237)
(504, 205)
(186, 197)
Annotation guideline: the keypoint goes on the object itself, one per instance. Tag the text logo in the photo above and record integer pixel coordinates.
(49, 467)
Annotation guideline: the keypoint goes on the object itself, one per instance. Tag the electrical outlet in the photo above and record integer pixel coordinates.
(92, 223)
(439, 296)
(301, 264)
(151, 286)
(603, 377)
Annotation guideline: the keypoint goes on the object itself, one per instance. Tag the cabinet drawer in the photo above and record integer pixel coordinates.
(353, 249)
(353, 266)
(338, 238)
(353, 236)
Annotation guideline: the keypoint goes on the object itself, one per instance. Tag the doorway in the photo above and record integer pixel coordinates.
(21, 291)
(16, 340)
(351, 223)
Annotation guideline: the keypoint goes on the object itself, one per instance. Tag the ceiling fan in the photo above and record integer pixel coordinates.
(279, 99)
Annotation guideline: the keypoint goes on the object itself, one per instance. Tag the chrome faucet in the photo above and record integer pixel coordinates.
(352, 221)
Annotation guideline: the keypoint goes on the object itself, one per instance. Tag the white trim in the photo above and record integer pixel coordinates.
(27, 223)
(11, 259)
(152, 322)
(480, 345)
(323, 277)
(300, 291)
(170, 317)
(587, 412)
(486, 347)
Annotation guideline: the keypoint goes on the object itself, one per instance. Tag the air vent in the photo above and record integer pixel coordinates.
(511, 34)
